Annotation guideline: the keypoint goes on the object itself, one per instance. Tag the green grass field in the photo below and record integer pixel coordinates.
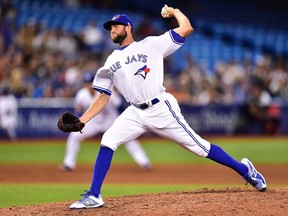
(263, 151)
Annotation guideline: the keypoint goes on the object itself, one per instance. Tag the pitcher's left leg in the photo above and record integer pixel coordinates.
(180, 132)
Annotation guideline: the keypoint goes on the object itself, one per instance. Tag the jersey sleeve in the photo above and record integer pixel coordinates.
(167, 43)
(102, 81)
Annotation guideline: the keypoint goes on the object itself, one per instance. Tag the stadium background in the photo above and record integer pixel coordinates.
(41, 76)
(236, 46)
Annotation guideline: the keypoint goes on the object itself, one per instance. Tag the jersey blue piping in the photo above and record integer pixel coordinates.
(184, 127)
(122, 48)
(102, 90)
(176, 38)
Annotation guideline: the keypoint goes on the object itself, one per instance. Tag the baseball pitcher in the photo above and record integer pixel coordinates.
(136, 69)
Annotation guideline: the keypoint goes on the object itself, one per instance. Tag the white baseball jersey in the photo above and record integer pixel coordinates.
(137, 72)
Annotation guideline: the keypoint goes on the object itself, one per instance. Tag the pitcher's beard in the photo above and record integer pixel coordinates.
(120, 38)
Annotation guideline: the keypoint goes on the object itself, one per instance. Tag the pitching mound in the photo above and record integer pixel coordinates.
(230, 201)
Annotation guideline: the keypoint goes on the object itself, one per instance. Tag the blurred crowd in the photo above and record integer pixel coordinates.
(36, 61)
(232, 82)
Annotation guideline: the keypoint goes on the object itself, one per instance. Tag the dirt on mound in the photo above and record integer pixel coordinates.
(233, 201)
(228, 201)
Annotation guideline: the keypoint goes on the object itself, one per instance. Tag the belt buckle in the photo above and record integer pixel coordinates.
(146, 105)
(143, 106)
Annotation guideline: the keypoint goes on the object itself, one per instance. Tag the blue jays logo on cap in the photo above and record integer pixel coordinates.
(119, 19)
(116, 17)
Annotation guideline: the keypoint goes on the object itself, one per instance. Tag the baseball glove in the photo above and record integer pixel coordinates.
(70, 123)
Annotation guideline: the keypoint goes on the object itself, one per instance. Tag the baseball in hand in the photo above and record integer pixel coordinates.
(164, 11)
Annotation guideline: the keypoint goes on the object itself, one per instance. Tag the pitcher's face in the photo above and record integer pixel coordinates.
(118, 33)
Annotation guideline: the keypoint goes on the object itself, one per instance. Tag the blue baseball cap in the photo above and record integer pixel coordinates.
(88, 77)
(121, 19)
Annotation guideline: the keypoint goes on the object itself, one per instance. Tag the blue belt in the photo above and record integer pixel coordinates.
(144, 106)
